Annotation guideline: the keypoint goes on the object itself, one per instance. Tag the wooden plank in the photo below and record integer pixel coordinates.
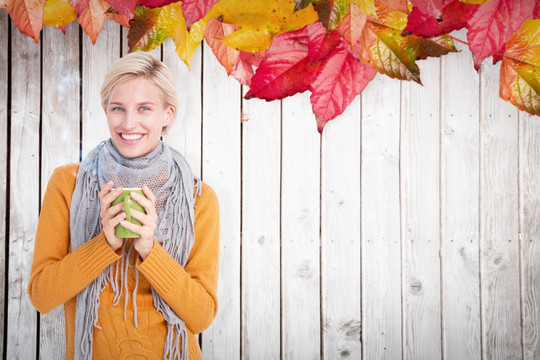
(420, 215)
(185, 134)
(530, 232)
(261, 142)
(24, 193)
(381, 242)
(340, 236)
(501, 328)
(459, 205)
(4, 29)
(300, 217)
(60, 143)
(221, 169)
(97, 59)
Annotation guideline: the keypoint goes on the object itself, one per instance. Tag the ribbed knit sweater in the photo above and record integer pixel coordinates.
(59, 274)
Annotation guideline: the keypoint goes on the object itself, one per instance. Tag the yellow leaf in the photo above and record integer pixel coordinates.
(187, 42)
(365, 6)
(260, 21)
(58, 13)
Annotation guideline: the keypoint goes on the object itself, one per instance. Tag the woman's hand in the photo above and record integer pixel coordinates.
(145, 243)
(111, 215)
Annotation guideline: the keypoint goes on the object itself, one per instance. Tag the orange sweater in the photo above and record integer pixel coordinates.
(58, 275)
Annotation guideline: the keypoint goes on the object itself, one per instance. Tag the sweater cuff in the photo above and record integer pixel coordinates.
(95, 255)
(161, 269)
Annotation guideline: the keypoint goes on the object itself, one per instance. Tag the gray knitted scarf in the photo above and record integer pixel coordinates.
(168, 175)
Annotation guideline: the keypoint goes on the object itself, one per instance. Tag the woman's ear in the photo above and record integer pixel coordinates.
(169, 115)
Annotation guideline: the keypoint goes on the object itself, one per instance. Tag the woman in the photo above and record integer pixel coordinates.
(141, 298)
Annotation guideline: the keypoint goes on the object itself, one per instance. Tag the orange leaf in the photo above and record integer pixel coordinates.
(119, 18)
(27, 16)
(215, 31)
(352, 26)
(399, 5)
(92, 18)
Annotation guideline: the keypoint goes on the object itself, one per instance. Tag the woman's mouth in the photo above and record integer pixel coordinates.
(130, 137)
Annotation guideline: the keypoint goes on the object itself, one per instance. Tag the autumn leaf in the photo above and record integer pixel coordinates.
(286, 70)
(520, 68)
(151, 27)
(92, 14)
(155, 3)
(331, 12)
(27, 16)
(58, 13)
(493, 23)
(124, 7)
(455, 15)
(321, 43)
(214, 33)
(474, 2)
(187, 42)
(398, 5)
(536, 11)
(118, 18)
(352, 26)
(195, 10)
(340, 78)
(431, 7)
(243, 69)
(260, 21)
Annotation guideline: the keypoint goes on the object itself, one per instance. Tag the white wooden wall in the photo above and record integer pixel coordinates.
(409, 230)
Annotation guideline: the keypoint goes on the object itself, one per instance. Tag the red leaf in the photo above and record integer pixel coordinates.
(124, 7)
(320, 44)
(156, 3)
(492, 24)
(243, 68)
(119, 18)
(286, 70)
(340, 79)
(455, 15)
(194, 10)
(27, 16)
(536, 11)
(431, 7)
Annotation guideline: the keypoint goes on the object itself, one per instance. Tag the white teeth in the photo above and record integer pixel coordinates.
(131, 137)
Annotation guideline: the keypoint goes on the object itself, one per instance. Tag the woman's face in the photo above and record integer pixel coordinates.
(136, 116)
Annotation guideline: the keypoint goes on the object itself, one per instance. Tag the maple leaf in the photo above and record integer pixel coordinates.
(520, 68)
(492, 24)
(58, 13)
(431, 7)
(340, 78)
(260, 21)
(27, 16)
(455, 15)
(151, 27)
(352, 26)
(195, 10)
(124, 7)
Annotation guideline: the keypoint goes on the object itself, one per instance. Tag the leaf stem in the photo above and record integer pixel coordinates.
(458, 40)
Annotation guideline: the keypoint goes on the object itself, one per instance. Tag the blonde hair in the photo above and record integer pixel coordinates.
(141, 64)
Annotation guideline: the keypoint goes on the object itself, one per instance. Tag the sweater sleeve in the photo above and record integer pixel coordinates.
(57, 275)
(191, 292)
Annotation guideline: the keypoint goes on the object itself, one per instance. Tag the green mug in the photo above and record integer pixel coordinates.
(129, 204)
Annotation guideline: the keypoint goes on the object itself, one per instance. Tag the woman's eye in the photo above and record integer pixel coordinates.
(117, 108)
(144, 108)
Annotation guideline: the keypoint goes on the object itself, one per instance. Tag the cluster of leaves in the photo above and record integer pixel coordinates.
(333, 48)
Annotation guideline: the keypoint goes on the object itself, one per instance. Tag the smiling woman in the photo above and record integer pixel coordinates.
(167, 277)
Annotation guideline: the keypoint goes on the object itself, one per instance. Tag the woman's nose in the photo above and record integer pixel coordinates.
(128, 122)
